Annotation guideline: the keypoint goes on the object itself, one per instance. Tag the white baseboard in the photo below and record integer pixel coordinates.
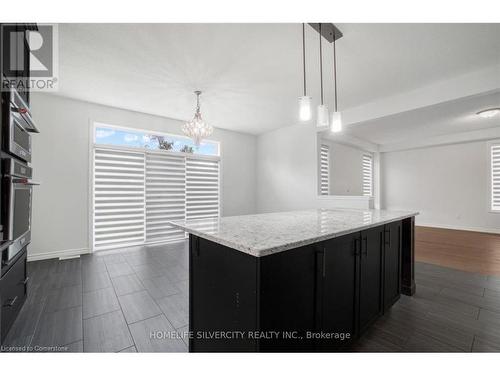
(68, 253)
(457, 227)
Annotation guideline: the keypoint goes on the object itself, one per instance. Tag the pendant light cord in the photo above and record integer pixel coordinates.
(335, 70)
(198, 93)
(321, 63)
(304, 54)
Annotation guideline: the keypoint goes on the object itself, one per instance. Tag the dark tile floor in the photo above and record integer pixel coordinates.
(452, 311)
(107, 302)
(114, 301)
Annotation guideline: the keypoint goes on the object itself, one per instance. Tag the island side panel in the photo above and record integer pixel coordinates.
(289, 296)
(222, 298)
(408, 257)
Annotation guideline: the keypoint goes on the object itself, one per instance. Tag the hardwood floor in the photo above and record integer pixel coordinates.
(462, 250)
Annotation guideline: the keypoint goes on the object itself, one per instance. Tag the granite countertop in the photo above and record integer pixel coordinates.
(265, 234)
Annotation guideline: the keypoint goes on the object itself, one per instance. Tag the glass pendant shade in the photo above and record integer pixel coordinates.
(336, 122)
(322, 116)
(305, 108)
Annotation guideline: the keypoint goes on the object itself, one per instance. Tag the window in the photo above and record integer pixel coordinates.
(114, 136)
(324, 170)
(495, 177)
(367, 175)
(138, 189)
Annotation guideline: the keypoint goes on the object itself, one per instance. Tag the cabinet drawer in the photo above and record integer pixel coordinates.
(13, 290)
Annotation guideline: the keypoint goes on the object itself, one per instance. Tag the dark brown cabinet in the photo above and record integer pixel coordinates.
(352, 283)
(225, 300)
(392, 263)
(13, 292)
(370, 280)
(288, 283)
(339, 288)
(317, 297)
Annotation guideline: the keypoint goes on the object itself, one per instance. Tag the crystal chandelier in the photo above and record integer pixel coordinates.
(197, 129)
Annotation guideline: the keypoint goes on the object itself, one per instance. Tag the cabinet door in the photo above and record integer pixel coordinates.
(13, 286)
(340, 272)
(370, 284)
(392, 263)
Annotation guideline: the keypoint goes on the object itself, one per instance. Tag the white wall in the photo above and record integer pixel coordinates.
(287, 172)
(61, 164)
(449, 185)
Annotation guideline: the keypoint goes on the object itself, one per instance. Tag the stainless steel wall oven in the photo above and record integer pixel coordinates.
(17, 189)
(17, 126)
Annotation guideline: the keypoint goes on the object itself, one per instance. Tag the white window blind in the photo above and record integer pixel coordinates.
(495, 177)
(136, 193)
(324, 170)
(367, 175)
(118, 198)
(165, 196)
(202, 188)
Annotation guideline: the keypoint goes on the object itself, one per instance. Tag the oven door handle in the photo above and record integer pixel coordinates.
(19, 106)
(17, 181)
(25, 116)
(30, 183)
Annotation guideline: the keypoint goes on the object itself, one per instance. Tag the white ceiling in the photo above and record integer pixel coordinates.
(457, 116)
(251, 74)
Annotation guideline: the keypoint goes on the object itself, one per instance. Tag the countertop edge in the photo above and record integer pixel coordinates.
(277, 249)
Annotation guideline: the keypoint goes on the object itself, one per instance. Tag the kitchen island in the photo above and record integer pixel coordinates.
(310, 280)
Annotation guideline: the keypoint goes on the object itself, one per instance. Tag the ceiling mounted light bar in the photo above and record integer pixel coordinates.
(328, 30)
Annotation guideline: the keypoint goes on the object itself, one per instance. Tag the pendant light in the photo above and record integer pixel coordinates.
(304, 101)
(322, 117)
(197, 128)
(336, 120)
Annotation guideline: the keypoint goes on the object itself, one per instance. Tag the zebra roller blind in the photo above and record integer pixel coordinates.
(367, 175)
(118, 198)
(495, 177)
(202, 188)
(324, 170)
(136, 193)
(165, 196)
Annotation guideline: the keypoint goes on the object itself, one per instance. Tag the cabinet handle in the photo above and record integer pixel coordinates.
(387, 234)
(324, 263)
(357, 246)
(321, 252)
(11, 303)
(365, 252)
